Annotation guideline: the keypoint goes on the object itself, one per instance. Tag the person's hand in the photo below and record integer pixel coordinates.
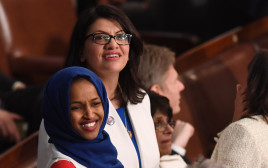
(8, 128)
(18, 85)
(239, 103)
(183, 131)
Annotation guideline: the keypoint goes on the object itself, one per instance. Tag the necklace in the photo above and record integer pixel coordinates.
(124, 111)
(129, 132)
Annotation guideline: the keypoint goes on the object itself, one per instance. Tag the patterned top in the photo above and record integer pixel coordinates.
(243, 144)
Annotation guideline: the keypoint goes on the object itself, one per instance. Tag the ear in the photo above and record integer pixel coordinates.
(82, 58)
(156, 88)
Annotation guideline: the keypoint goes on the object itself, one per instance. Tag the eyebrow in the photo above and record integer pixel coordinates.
(158, 118)
(101, 31)
(96, 98)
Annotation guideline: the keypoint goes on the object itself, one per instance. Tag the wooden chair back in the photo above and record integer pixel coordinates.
(22, 155)
(34, 33)
(210, 73)
(177, 42)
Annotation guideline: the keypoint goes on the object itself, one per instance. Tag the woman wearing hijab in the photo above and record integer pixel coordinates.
(105, 41)
(75, 111)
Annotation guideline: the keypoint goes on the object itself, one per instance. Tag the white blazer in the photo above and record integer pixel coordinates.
(143, 127)
(243, 144)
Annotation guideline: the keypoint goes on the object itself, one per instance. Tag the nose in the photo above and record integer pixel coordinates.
(88, 113)
(168, 130)
(180, 85)
(112, 44)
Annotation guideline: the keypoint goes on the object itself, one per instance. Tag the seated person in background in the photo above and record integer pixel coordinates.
(244, 143)
(17, 103)
(164, 127)
(8, 128)
(9, 84)
(157, 73)
(75, 111)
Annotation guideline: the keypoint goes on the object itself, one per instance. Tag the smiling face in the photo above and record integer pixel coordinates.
(172, 88)
(163, 137)
(86, 110)
(109, 58)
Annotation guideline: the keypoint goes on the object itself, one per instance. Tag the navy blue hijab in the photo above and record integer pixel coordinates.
(97, 153)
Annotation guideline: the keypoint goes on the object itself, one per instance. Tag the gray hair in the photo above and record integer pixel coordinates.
(154, 63)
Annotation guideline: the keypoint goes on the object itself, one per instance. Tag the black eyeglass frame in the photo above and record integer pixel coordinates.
(162, 126)
(111, 36)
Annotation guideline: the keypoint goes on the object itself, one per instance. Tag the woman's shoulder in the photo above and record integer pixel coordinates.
(62, 164)
(251, 124)
(60, 160)
(246, 127)
(241, 141)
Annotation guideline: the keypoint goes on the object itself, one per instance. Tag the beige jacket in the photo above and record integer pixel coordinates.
(243, 144)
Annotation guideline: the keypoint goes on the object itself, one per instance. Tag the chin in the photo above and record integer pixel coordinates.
(176, 112)
(90, 138)
(166, 152)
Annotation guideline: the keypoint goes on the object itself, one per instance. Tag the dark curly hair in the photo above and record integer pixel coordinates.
(161, 103)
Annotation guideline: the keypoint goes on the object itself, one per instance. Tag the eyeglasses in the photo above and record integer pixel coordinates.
(161, 126)
(103, 38)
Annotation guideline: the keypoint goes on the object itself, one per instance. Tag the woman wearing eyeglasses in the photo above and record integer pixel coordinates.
(164, 127)
(106, 42)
